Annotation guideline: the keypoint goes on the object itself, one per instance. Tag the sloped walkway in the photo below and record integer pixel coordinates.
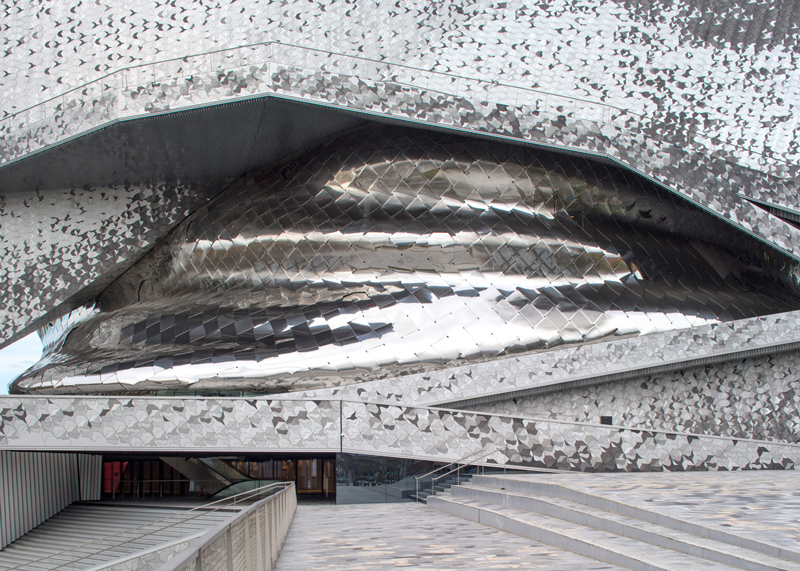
(411, 536)
(95, 533)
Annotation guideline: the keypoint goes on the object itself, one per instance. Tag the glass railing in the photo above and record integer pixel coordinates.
(239, 488)
(363, 479)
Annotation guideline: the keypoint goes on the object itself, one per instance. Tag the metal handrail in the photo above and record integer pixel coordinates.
(205, 507)
(418, 478)
(456, 463)
(425, 475)
(470, 461)
(277, 532)
(689, 128)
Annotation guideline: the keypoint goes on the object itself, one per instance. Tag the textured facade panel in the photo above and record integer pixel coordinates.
(56, 243)
(755, 398)
(675, 120)
(683, 63)
(700, 99)
(569, 365)
(439, 434)
(72, 219)
(239, 425)
(393, 249)
(708, 176)
(169, 424)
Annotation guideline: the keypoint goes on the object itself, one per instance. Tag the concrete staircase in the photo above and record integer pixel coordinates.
(605, 529)
(98, 533)
(441, 486)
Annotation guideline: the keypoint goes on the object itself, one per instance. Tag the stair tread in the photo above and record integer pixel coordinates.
(645, 552)
(736, 532)
(93, 533)
(703, 542)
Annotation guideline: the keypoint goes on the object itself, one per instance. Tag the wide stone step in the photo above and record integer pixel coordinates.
(581, 539)
(629, 527)
(442, 487)
(550, 489)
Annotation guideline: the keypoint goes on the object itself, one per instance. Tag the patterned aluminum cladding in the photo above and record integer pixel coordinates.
(688, 162)
(250, 425)
(677, 92)
(55, 243)
(563, 366)
(751, 398)
(169, 424)
(687, 65)
(391, 249)
(441, 434)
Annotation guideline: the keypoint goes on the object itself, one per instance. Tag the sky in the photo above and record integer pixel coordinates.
(17, 357)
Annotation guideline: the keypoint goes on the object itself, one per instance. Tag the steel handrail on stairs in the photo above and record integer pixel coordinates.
(205, 509)
(471, 460)
(418, 478)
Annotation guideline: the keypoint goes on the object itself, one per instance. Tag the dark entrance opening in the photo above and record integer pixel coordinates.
(133, 477)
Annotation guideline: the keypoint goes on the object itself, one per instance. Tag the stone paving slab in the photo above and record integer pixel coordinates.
(763, 505)
(412, 536)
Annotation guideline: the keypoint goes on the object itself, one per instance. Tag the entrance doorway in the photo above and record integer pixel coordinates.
(316, 476)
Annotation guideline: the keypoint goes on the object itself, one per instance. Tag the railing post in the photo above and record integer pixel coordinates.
(249, 544)
(198, 561)
(285, 515)
(279, 510)
(273, 533)
(260, 530)
(267, 535)
(230, 548)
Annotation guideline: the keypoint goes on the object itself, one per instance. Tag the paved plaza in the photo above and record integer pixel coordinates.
(411, 536)
(760, 505)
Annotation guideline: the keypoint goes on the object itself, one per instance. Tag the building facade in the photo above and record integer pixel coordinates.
(562, 236)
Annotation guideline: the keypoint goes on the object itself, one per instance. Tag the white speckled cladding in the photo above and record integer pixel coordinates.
(702, 98)
(679, 93)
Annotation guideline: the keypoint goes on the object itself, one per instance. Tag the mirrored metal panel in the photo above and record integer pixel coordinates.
(394, 250)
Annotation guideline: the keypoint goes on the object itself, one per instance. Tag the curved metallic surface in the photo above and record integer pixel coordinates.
(673, 90)
(392, 250)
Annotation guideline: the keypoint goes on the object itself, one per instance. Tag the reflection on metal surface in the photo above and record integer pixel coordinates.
(396, 250)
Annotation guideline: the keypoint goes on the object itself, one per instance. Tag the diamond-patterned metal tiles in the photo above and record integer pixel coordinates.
(564, 366)
(257, 425)
(705, 108)
(750, 398)
(391, 249)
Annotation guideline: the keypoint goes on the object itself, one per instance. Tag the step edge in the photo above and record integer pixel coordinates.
(623, 530)
(639, 564)
(667, 521)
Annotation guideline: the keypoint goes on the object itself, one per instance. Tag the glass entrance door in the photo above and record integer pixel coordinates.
(309, 476)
